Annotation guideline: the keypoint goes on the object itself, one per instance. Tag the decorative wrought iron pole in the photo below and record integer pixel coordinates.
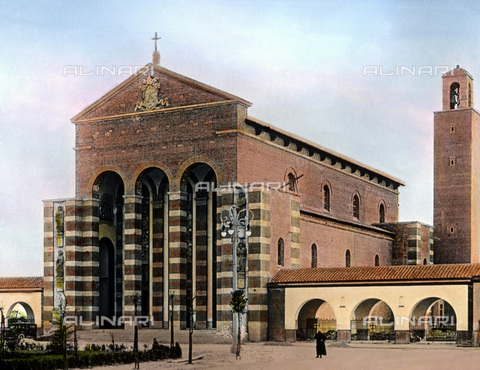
(236, 225)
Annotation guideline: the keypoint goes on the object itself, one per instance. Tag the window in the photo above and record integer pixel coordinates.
(347, 258)
(314, 255)
(377, 260)
(356, 207)
(292, 182)
(452, 160)
(382, 213)
(326, 198)
(280, 252)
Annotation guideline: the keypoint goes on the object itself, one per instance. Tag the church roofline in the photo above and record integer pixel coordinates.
(142, 72)
(316, 147)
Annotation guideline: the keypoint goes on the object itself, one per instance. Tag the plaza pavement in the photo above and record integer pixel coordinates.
(301, 356)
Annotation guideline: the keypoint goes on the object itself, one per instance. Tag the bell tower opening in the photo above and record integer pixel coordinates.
(455, 95)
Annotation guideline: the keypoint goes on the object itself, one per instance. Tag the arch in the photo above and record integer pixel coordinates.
(382, 210)
(314, 254)
(315, 315)
(30, 315)
(348, 258)
(326, 196)
(433, 318)
(98, 172)
(280, 252)
(149, 165)
(454, 95)
(356, 206)
(372, 319)
(291, 179)
(154, 178)
(194, 160)
(421, 307)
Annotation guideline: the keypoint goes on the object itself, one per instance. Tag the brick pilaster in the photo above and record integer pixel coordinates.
(158, 283)
(295, 232)
(177, 254)
(81, 260)
(258, 265)
(48, 263)
(132, 251)
(224, 263)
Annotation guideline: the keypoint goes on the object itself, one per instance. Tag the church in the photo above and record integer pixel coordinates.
(181, 198)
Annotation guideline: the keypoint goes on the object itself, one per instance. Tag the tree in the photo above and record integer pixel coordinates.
(58, 343)
(238, 305)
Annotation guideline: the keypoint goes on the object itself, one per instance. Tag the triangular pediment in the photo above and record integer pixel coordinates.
(151, 90)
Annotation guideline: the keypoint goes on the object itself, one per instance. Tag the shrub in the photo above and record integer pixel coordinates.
(88, 358)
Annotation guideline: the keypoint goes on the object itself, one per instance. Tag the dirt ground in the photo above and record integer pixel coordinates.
(301, 355)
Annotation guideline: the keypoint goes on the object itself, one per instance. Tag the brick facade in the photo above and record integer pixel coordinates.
(137, 206)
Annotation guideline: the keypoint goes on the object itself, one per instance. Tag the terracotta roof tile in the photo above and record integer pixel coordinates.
(21, 282)
(377, 273)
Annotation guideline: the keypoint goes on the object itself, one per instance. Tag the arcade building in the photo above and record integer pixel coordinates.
(181, 197)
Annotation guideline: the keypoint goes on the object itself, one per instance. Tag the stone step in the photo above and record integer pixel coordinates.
(146, 335)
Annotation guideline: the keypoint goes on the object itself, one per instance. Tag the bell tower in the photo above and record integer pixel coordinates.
(457, 172)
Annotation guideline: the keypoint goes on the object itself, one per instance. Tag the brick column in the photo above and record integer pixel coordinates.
(48, 263)
(157, 262)
(177, 254)
(344, 335)
(276, 314)
(81, 258)
(402, 336)
(475, 292)
(224, 264)
(132, 251)
(258, 265)
(201, 245)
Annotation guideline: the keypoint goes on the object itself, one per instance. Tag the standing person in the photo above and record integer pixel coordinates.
(320, 338)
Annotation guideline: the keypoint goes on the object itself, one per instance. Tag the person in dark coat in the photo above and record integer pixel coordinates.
(320, 338)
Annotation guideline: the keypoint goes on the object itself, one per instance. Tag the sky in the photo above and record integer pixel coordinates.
(361, 78)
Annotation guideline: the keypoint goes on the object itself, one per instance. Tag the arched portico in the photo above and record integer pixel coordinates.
(401, 298)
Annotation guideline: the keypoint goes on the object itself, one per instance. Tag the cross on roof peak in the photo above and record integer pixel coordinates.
(155, 39)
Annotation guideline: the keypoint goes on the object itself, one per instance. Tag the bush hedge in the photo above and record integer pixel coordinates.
(86, 359)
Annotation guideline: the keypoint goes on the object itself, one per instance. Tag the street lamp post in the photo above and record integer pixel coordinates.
(236, 225)
(136, 300)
